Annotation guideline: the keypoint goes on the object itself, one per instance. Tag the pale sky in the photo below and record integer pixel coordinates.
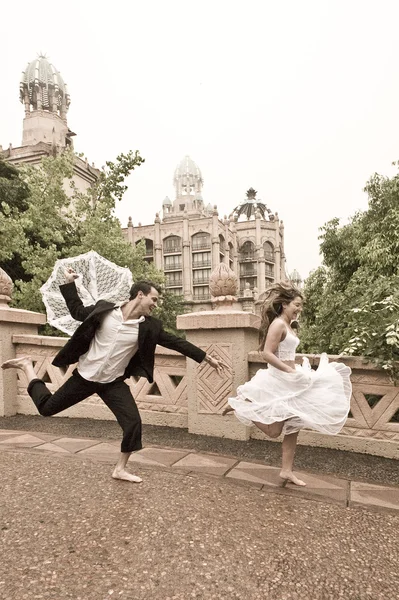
(298, 99)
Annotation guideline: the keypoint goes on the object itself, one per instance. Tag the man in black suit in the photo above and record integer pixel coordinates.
(112, 343)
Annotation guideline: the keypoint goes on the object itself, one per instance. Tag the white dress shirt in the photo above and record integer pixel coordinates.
(114, 344)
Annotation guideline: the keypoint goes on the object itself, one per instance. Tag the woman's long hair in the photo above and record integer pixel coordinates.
(277, 295)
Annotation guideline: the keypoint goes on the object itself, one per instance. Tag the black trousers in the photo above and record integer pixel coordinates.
(116, 395)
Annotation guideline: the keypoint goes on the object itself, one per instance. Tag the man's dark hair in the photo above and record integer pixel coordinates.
(143, 286)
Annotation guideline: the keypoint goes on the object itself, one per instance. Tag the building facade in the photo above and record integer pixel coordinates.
(190, 239)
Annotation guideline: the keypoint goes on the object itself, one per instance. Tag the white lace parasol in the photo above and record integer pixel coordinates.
(98, 279)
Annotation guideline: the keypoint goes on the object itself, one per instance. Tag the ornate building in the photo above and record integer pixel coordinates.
(45, 129)
(190, 240)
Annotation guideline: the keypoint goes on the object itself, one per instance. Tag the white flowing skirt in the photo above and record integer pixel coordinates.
(318, 400)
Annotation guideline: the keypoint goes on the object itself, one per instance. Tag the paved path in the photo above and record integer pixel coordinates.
(249, 473)
(200, 526)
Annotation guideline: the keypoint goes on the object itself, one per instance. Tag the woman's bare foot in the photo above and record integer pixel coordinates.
(126, 476)
(17, 363)
(288, 476)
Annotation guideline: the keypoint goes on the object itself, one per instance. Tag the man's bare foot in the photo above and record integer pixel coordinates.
(227, 410)
(125, 476)
(17, 363)
(288, 476)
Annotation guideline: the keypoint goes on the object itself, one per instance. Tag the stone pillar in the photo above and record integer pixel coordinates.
(236, 265)
(12, 322)
(228, 335)
(186, 266)
(130, 231)
(158, 243)
(215, 239)
(226, 241)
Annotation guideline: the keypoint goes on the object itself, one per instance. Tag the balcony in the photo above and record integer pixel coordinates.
(172, 249)
(249, 273)
(173, 267)
(202, 281)
(201, 246)
(269, 257)
(202, 264)
(174, 283)
(246, 256)
(202, 297)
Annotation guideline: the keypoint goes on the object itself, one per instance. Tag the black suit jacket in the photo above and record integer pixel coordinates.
(151, 333)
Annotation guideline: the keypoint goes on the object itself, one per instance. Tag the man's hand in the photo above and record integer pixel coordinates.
(217, 364)
(70, 275)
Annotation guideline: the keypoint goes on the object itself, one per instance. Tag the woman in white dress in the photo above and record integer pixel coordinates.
(286, 397)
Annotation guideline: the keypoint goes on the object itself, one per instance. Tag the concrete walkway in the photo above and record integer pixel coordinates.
(201, 525)
(248, 473)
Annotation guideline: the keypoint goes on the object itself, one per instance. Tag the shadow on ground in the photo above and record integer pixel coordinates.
(351, 465)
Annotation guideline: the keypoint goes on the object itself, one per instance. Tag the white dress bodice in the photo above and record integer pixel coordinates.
(287, 347)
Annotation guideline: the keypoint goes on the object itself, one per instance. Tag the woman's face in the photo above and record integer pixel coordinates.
(293, 309)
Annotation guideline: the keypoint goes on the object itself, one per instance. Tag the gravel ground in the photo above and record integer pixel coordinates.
(69, 531)
(350, 465)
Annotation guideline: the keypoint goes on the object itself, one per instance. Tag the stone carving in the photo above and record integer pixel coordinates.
(6, 287)
(169, 379)
(223, 285)
(214, 389)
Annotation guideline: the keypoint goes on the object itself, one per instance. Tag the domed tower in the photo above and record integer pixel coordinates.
(44, 94)
(250, 206)
(188, 183)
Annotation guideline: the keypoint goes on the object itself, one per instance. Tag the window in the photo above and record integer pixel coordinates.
(201, 259)
(181, 207)
(247, 251)
(201, 241)
(172, 263)
(269, 271)
(201, 293)
(201, 276)
(269, 251)
(174, 278)
(172, 244)
(176, 291)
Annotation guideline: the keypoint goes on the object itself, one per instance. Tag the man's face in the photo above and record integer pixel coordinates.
(148, 302)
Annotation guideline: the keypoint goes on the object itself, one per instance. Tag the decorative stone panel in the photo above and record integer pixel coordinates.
(214, 389)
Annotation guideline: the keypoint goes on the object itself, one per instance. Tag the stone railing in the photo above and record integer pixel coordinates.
(163, 402)
(185, 394)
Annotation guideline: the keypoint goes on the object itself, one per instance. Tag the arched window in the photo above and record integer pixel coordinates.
(247, 251)
(201, 241)
(172, 244)
(269, 252)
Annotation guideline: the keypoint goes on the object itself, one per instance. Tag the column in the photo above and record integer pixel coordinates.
(215, 239)
(187, 275)
(157, 243)
(229, 335)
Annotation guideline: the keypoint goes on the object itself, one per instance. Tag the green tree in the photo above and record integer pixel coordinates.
(352, 299)
(44, 217)
(48, 223)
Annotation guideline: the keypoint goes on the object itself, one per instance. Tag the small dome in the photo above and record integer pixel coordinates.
(199, 197)
(187, 167)
(167, 202)
(43, 86)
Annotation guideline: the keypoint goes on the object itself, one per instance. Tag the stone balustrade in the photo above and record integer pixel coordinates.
(185, 394)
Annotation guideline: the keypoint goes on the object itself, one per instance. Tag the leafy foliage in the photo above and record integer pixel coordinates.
(352, 301)
(44, 217)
